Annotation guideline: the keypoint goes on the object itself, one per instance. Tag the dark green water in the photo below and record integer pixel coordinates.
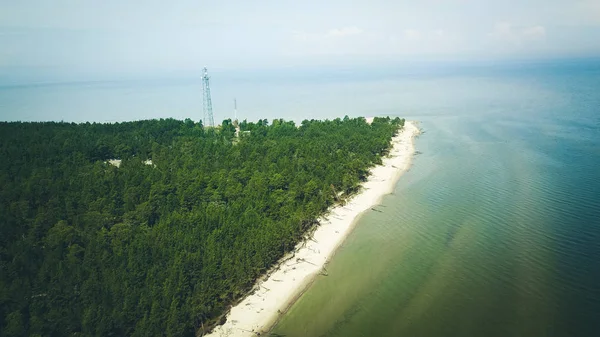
(495, 231)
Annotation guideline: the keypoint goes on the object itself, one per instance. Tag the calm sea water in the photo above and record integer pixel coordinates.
(495, 231)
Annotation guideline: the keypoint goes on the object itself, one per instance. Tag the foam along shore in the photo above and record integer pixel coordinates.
(276, 291)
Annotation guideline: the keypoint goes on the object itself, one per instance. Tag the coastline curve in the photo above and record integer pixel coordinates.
(278, 289)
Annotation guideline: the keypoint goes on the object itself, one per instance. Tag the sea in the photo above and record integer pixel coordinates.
(495, 229)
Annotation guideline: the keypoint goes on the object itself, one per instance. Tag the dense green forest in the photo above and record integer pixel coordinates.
(91, 249)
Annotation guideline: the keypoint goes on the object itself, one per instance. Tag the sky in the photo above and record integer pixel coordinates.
(133, 36)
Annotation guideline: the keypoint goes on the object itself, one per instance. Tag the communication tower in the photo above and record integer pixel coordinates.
(209, 120)
(235, 109)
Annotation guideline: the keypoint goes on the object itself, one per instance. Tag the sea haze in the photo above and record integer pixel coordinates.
(292, 93)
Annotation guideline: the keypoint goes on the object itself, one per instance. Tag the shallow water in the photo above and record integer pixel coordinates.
(495, 231)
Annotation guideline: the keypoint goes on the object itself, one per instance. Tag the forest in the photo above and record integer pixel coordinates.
(165, 243)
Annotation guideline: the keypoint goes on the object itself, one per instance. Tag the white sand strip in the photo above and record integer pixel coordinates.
(255, 315)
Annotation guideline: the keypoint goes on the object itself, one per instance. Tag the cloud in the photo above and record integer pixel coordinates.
(439, 33)
(301, 35)
(507, 33)
(337, 41)
(342, 32)
(336, 33)
(502, 30)
(535, 32)
(383, 42)
(412, 34)
(153, 34)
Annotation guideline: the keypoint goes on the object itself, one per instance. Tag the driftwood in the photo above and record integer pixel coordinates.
(304, 260)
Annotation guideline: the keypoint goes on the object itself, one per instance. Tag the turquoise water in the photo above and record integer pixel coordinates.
(495, 231)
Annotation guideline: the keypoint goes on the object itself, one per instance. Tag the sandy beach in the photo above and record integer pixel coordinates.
(255, 314)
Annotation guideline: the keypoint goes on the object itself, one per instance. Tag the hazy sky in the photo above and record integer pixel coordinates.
(150, 35)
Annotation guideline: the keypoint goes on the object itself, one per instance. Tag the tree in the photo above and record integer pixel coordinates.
(88, 248)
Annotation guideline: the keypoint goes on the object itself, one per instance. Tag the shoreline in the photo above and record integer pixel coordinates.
(277, 291)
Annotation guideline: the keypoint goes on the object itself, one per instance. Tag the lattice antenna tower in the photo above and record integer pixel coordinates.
(209, 120)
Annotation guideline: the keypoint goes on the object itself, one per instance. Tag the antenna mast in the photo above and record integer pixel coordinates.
(207, 102)
(235, 109)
